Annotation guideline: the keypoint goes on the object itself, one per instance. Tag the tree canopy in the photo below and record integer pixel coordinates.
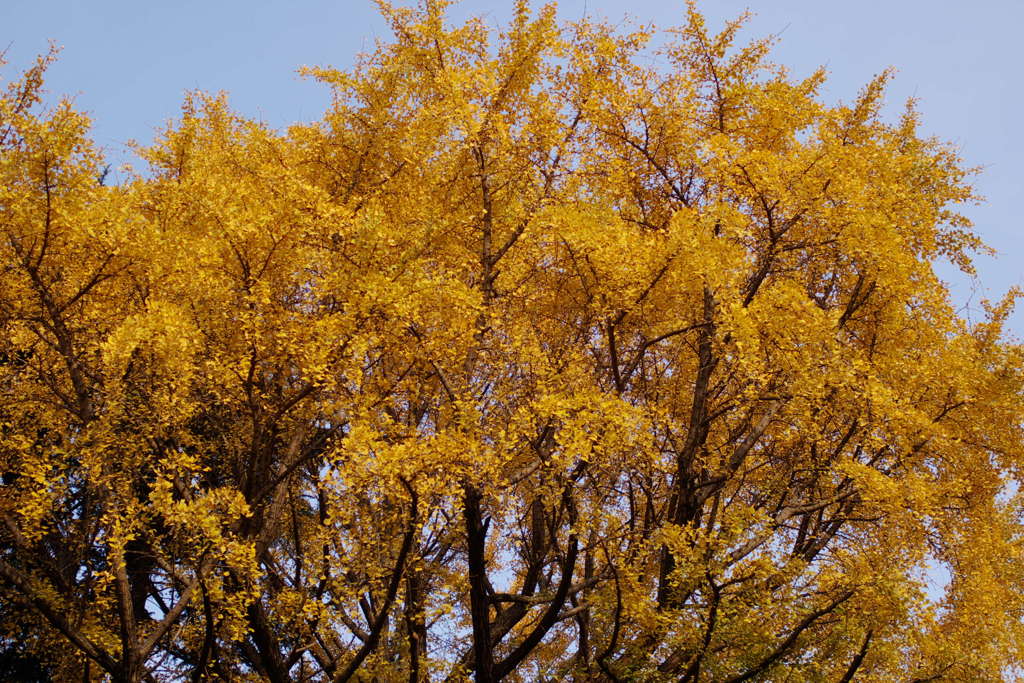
(535, 358)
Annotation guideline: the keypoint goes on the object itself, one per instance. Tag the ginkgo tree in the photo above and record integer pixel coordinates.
(532, 359)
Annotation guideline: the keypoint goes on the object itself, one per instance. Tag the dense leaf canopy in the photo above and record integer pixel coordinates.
(535, 358)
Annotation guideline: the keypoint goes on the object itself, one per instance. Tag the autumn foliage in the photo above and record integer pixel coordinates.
(534, 358)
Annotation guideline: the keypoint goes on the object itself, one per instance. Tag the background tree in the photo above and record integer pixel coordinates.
(527, 361)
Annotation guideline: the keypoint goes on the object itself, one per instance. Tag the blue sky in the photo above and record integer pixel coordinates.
(128, 65)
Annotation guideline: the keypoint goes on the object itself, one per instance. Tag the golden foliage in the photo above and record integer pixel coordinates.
(529, 360)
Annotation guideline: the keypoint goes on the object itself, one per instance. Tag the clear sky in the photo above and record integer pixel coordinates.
(128, 63)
